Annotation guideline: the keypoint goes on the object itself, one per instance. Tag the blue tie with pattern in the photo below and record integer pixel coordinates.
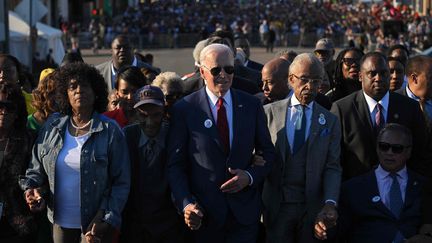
(396, 202)
(300, 128)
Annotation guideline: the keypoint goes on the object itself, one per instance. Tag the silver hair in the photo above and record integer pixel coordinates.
(215, 48)
(307, 58)
(168, 78)
(197, 50)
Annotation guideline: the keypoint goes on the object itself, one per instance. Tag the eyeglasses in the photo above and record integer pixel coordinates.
(351, 61)
(312, 81)
(396, 148)
(216, 70)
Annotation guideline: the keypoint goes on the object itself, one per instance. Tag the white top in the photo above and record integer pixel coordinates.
(292, 117)
(228, 107)
(373, 109)
(384, 182)
(67, 182)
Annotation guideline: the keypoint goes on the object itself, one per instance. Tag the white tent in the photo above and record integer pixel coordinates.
(48, 38)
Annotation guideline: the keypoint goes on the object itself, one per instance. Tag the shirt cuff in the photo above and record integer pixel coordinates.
(250, 177)
(331, 201)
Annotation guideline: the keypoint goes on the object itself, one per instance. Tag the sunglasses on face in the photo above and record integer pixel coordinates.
(350, 61)
(216, 70)
(396, 148)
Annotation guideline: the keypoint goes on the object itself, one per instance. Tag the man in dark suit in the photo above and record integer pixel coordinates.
(149, 215)
(303, 186)
(383, 205)
(211, 143)
(243, 43)
(122, 55)
(196, 82)
(363, 113)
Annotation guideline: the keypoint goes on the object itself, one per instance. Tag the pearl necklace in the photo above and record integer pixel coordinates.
(77, 127)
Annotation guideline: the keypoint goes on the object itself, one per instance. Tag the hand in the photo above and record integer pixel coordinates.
(325, 219)
(237, 183)
(193, 215)
(34, 200)
(97, 229)
(258, 160)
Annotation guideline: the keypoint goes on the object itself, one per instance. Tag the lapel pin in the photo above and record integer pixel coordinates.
(208, 123)
(321, 119)
(376, 199)
(240, 106)
(396, 116)
(415, 183)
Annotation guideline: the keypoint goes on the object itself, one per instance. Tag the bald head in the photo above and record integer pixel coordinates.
(275, 79)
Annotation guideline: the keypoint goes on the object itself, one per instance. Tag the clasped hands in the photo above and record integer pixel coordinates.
(325, 220)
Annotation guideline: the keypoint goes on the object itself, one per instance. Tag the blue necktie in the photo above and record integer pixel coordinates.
(300, 129)
(396, 202)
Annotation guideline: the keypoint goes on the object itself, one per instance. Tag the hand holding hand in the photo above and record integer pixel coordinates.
(239, 181)
(34, 200)
(326, 219)
(193, 215)
(97, 229)
(258, 160)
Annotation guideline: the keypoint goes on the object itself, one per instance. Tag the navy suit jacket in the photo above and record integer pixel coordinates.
(364, 218)
(198, 165)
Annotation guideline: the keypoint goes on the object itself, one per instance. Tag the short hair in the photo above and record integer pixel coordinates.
(220, 40)
(307, 58)
(395, 127)
(71, 57)
(224, 34)
(121, 36)
(372, 54)
(393, 59)
(215, 48)
(417, 63)
(80, 72)
(43, 97)
(132, 75)
(14, 95)
(168, 78)
(397, 46)
(197, 50)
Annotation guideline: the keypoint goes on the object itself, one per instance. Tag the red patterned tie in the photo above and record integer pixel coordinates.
(222, 124)
(379, 118)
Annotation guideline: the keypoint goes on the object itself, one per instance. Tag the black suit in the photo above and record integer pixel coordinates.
(251, 75)
(364, 218)
(195, 82)
(358, 154)
(254, 65)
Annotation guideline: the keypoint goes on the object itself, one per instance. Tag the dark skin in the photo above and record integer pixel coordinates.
(375, 77)
(8, 71)
(150, 116)
(274, 77)
(121, 52)
(397, 73)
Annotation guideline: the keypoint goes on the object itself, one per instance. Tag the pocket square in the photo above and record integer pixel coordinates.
(325, 132)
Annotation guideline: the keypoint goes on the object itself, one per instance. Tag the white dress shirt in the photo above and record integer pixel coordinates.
(373, 109)
(384, 182)
(292, 117)
(114, 73)
(228, 107)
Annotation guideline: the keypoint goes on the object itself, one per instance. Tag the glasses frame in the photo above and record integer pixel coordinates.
(312, 81)
(216, 73)
(395, 148)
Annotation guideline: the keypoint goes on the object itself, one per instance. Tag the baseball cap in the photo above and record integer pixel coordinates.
(324, 44)
(149, 95)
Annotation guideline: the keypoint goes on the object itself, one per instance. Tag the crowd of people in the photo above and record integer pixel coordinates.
(368, 26)
(302, 148)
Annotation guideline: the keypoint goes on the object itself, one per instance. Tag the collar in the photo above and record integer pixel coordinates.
(246, 62)
(295, 101)
(213, 98)
(372, 103)
(159, 139)
(134, 63)
(410, 94)
(383, 174)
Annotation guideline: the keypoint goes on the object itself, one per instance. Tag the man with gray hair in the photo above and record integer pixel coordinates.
(214, 134)
(302, 189)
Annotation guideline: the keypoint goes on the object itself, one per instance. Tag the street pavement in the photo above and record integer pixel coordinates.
(181, 60)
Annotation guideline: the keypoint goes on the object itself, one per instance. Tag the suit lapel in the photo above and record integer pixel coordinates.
(392, 114)
(282, 139)
(411, 191)
(204, 104)
(237, 108)
(314, 127)
(362, 110)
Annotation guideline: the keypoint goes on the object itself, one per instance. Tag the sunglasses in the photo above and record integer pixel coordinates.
(396, 148)
(350, 61)
(216, 70)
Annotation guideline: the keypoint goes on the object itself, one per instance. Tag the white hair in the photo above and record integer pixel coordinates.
(168, 78)
(219, 48)
(197, 50)
(307, 58)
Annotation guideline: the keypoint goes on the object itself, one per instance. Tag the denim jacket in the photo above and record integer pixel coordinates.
(104, 171)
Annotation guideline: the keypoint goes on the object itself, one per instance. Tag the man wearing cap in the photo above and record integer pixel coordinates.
(213, 136)
(324, 50)
(149, 215)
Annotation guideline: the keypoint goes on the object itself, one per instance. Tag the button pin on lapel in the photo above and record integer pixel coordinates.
(240, 106)
(415, 183)
(376, 199)
(396, 116)
(208, 123)
(321, 119)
